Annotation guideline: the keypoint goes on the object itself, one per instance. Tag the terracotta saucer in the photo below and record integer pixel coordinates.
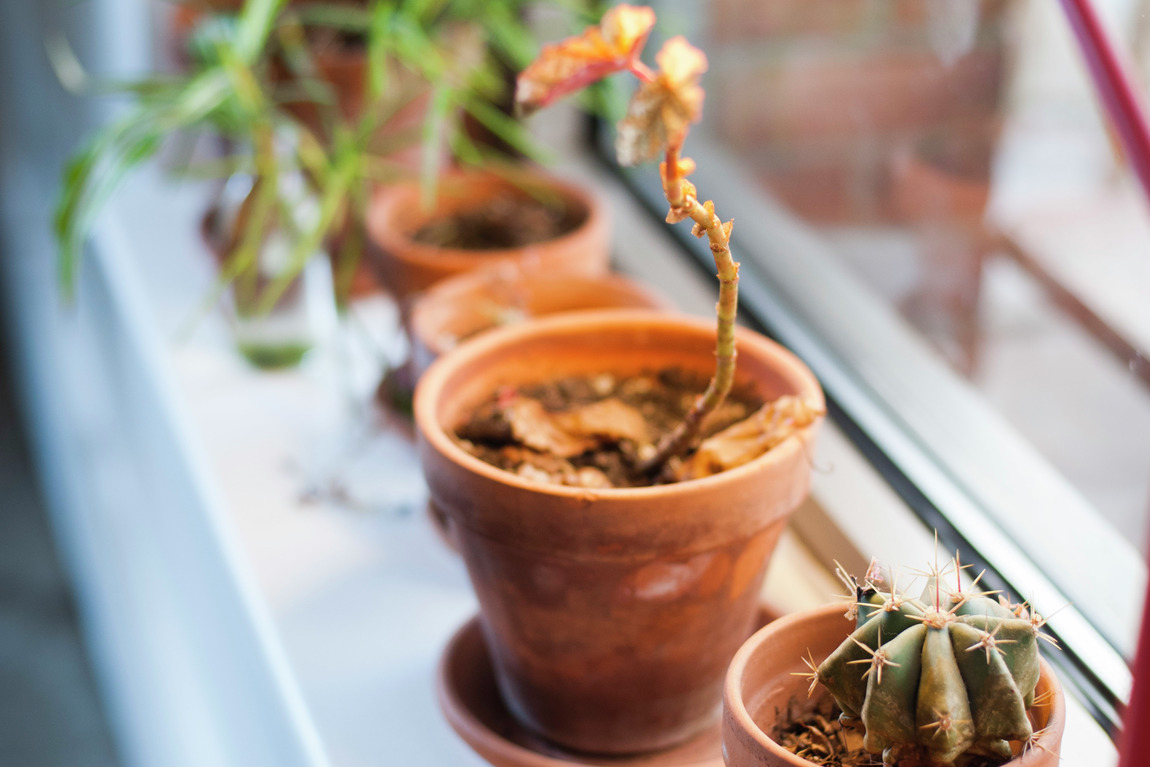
(469, 698)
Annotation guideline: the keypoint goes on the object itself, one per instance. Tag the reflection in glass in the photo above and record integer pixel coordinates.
(954, 156)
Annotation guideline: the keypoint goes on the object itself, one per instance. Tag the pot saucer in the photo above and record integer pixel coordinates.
(469, 698)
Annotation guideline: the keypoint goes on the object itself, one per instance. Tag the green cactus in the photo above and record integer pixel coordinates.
(945, 679)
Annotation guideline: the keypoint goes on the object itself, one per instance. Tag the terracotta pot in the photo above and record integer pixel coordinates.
(407, 266)
(461, 307)
(761, 691)
(611, 614)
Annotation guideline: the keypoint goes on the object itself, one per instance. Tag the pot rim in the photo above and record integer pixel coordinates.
(748, 342)
(737, 710)
(428, 306)
(400, 246)
(504, 272)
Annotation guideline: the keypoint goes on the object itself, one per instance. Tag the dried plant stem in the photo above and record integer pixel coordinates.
(680, 195)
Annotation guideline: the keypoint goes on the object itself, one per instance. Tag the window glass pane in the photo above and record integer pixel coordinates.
(953, 155)
(954, 160)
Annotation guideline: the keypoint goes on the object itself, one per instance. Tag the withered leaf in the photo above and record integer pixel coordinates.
(611, 418)
(565, 67)
(535, 428)
(576, 431)
(661, 110)
(746, 440)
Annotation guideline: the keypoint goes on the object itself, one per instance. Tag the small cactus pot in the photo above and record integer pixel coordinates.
(767, 684)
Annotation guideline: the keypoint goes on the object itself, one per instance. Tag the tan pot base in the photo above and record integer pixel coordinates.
(470, 699)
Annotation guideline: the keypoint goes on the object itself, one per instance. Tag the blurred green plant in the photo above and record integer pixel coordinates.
(236, 88)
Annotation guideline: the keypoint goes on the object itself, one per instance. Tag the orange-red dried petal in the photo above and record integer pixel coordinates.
(661, 110)
(565, 67)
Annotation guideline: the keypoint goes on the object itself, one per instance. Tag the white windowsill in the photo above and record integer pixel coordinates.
(361, 602)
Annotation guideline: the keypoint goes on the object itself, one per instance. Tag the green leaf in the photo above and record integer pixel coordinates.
(89, 179)
(378, 50)
(203, 96)
(347, 18)
(433, 133)
(512, 41)
(351, 246)
(465, 150)
(255, 24)
(68, 237)
(312, 156)
(244, 260)
(220, 167)
(506, 128)
(332, 204)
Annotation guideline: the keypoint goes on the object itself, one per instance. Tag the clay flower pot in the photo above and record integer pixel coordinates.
(461, 307)
(611, 614)
(762, 694)
(406, 266)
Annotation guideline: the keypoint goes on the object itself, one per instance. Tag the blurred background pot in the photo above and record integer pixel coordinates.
(611, 614)
(405, 236)
(464, 306)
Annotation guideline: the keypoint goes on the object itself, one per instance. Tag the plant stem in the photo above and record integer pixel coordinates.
(642, 71)
(684, 204)
(244, 261)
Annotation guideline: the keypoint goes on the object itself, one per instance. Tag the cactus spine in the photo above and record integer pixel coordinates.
(938, 680)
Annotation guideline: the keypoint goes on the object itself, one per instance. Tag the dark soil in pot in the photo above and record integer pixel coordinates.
(407, 265)
(590, 431)
(506, 221)
(816, 734)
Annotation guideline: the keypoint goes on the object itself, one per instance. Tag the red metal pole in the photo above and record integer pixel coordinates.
(1135, 741)
(1127, 113)
(1115, 87)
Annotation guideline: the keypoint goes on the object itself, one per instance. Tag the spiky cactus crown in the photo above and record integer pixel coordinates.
(944, 679)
